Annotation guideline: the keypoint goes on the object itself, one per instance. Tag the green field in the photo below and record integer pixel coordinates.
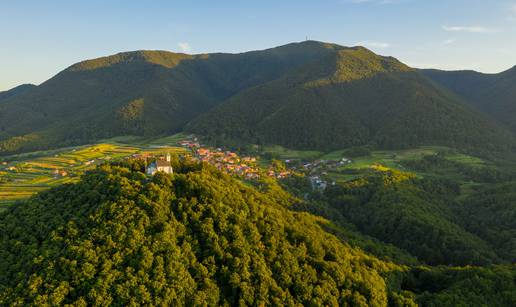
(170, 140)
(26, 174)
(390, 158)
(23, 175)
(385, 156)
(285, 153)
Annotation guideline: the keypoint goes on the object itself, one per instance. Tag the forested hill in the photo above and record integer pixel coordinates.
(494, 94)
(200, 237)
(196, 238)
(352, 97)
(305, 95)
(138, 93)
(21, 89)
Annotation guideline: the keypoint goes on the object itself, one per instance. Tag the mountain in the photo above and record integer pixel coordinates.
(302, 95)
(142, 92)
(491, 93)
(200, 237)
(21, 89)
(347, 98)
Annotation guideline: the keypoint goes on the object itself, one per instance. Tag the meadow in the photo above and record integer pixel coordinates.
(23, 175)
(393, 159)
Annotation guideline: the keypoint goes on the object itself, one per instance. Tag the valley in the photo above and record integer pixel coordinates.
(354, 153)
(403, 218)
(25, 174)
(318, 173)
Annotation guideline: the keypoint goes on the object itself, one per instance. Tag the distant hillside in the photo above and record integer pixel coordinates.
(494, 94)
(143, 93)
(21, 89)
(351, 97)
(303, 95)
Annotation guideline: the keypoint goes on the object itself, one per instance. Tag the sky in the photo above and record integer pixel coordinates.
(40, 38)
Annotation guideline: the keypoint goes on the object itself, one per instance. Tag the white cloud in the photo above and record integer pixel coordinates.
(513, 8)
(185, 47)
(372, 44)
(449, 41)
(470, 29)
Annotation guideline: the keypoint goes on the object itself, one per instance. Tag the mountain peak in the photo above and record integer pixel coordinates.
(20, 89)
(313, 44)
(158, 57)
(320, 44)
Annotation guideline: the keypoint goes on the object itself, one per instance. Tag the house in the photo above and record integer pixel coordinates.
(345, 161)
(249, 159)
(203, 151)
(318, 183)
(160, 166)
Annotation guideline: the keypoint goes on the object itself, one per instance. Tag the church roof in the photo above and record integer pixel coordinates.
(162, 163)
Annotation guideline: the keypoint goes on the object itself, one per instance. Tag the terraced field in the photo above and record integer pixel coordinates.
(26, 174)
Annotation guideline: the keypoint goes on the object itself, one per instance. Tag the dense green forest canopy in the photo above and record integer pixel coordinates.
(118, 237)
(493, 94)
(350, 98)
(302, 95)
(444, 212)
(91, 99)
(16, 91)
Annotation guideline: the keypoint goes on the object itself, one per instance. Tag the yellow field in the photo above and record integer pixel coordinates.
(23, 176)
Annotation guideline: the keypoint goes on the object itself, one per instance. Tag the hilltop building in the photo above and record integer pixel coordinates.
(160, 166)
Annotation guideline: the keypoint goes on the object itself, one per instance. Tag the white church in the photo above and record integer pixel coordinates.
(160, 166)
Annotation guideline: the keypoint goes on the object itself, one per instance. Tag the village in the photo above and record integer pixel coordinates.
(230, 162)
(247, 167)
(20, 178)
(317, 170)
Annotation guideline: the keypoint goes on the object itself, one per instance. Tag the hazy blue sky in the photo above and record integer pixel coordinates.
(40, 38)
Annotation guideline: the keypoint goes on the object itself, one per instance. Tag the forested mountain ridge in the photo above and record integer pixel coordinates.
(199, 236)
(141, 93)
(16, 91)
(304, 95)
(351, 97)
(494, 94)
